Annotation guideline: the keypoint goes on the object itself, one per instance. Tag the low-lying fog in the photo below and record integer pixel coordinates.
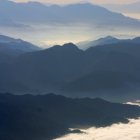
(130, 131)
(49, 35)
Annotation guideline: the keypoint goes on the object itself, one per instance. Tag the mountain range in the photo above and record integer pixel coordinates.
(50, 116)
(102, 41)
(35, 13)
(47, 93)
(53, 24)
(110, 71)
(105, 41)
(10, 48)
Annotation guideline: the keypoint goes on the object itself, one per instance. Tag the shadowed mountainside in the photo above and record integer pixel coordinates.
(109, 71)
(48, 116)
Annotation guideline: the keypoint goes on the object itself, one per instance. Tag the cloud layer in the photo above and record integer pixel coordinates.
(128, 131)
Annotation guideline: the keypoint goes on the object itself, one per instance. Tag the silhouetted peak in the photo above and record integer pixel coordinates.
(36, 4)
(54, 48)
(67, 46)
(71, 45)
(100, 100)
(85, 5)
(109, 38)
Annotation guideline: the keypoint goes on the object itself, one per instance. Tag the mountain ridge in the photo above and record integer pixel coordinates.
(67, 9)
(9, 45)
(35, 115)
(110, 71)
(106, 41)
(80, 20)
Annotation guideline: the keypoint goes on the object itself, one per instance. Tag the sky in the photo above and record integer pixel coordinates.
(75, 1)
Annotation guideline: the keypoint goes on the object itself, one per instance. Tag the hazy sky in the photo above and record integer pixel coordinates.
(72, 1)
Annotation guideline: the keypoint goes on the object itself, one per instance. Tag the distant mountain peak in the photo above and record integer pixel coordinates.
(100, 100)
(35, 4)
(66, 47)
(70, 45)
(10, 45)
(98, 42)
(109, 37)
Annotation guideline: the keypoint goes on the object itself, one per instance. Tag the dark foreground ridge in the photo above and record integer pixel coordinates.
(28, 117)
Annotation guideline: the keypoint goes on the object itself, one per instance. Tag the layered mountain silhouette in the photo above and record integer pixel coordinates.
(102, 41)
(105, 41)
(34, 12)
(50, 116)
(49, 24)
(13, 46)
(10, 48)
(114, 67)
(83, 76)
(110, 71)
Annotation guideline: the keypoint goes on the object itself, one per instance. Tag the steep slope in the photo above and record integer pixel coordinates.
(11, 46)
